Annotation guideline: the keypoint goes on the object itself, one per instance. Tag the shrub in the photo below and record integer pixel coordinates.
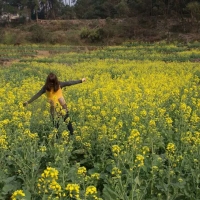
(39, 34)
(57, 37)
(72, 38)
(1, 35)
(9, 38)
(84, 33)
(93, 35)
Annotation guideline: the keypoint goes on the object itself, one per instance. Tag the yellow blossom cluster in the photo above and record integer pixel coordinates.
(145, 150)
(18, 194)
(59, 148)
(43, 148)
(81, 171)
(3, 142)
(169, 121)
(154, 169)
(134, 137)
(139, 161)
(116, 150)
(191, 138)
(53, 134)
(171, 148)
(48, 182)
(30, 135)
(95, 176)
(65, 135)
(92, 179)
(91, 191)
(73, 190)
(152, 123)
(116, 172)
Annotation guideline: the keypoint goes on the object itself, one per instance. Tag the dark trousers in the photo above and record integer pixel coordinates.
(69, 124)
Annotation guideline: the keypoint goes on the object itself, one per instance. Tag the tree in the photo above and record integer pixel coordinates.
(54, 7)
(82, 7)
(122, 9)
(34, 6)
(1, 7)
(194, 8)
(67, 12)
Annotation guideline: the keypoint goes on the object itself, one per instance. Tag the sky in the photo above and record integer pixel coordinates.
(69, 2)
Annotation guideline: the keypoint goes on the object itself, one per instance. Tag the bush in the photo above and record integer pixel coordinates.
(93, 35)
(194, 8)
(72, 38)
(39, 34)
(84, 33)
(57, 37)
(9, 38)
(1, 35)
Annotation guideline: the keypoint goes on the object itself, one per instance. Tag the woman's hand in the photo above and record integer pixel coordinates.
(25, 104)
(83, 79)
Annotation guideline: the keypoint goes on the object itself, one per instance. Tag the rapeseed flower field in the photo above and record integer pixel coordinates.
(136, 124)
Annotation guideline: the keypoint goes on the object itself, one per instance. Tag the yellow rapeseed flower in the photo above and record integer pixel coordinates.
(91, 190)
(171, 148)
(116, 149)
(18, 194)
(81, 171)
(139, 160)
(73, 190)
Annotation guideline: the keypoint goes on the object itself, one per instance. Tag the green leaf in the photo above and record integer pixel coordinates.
(2, 175)
(70, 174)
(9, 188)
(10, 179)
(92, 171)
(109, 168)
(83, 161)
(109, 194)
(2, 197)
(79, 151)
(27, 195)
(137, 181)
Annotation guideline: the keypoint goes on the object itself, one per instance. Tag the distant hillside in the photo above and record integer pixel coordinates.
(100, 31)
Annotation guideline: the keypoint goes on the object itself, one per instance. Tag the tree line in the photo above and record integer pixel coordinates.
(101, 9)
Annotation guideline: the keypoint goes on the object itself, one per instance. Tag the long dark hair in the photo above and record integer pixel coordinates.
(52, 82)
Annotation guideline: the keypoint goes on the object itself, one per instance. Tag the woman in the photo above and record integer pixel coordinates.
(53, 90)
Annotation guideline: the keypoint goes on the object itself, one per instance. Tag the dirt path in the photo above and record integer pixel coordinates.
(41, 53)
(7, 62)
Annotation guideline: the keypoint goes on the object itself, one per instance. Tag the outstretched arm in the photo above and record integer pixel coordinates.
(69, 83)
(37, 95)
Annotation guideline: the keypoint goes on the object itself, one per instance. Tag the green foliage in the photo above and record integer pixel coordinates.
(8, 185)
(38, 34)
(57, 38)
(136, 128)
(93, 9)
(9, 38)
(93, 35)
(96, 35)
(84, 33)
(194, 8)
(1, 36)
(122, 9)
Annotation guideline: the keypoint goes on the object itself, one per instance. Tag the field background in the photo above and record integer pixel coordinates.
(136, 121)
(101, 32)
